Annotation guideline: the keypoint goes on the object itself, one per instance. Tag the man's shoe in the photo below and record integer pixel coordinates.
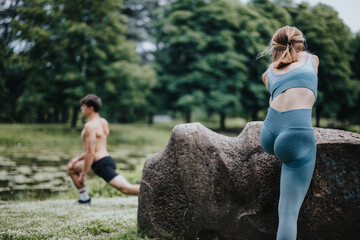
(84, 202)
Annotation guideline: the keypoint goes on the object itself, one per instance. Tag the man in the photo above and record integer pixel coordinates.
(95, 158)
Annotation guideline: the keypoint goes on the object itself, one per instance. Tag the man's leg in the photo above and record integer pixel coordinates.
(74, 170)
(120, 183)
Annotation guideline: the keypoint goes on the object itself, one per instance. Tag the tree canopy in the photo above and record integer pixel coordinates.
(72, 49)
(53, 52)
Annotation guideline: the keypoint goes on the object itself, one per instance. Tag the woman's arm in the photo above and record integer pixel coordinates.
(264, 78)
(316, 62)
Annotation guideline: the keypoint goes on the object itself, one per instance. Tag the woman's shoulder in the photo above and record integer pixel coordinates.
(314, 57)
(265, 78)
(315, 61)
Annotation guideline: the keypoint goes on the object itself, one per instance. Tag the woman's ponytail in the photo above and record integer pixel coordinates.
(285, 45)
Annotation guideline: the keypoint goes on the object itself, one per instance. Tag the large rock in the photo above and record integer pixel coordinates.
(205, 185)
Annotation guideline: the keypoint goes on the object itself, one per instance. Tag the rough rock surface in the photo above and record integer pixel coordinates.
(204, 185)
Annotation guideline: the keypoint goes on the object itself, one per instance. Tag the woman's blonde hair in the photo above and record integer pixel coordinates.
(284, 46)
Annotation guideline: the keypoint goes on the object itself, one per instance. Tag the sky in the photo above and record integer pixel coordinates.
(349, 11)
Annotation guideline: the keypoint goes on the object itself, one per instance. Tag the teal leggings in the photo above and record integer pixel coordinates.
(289, 136)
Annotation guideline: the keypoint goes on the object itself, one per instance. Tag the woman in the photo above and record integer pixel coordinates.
(287, 131)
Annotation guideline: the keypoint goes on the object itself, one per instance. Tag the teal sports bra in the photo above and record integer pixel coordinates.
(304, 76)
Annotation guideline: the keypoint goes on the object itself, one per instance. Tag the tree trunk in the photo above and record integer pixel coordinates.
(222, 121)
(151, 118)
(188, 116)
(74, 117)
(56, 115)
(254, 114)
(64, 115)
(318, 111)
(40, 115)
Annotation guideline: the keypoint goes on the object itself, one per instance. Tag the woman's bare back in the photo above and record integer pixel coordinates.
(297, 97)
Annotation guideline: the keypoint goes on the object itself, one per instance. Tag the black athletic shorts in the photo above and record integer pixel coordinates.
(105, 168)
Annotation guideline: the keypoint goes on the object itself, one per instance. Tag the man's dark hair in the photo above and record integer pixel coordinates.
(91, 100)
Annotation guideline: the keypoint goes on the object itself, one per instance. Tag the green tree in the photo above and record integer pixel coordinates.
(329, 39)
(354, 51)
(3, 88)
(202, 59)
(11, 72)
(77, 48)
(140, 15)
(257, 25)
(274, 12)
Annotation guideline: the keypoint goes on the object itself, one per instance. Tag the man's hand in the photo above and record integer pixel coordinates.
(73, 161)
(77, 159)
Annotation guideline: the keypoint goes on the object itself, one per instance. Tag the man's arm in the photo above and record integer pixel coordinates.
(78, 158)
(89, 155)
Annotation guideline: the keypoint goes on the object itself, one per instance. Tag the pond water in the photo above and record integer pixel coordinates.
(38, 172)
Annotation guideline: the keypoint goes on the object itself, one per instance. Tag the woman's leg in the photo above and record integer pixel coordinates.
(294, 184)
(297, 150)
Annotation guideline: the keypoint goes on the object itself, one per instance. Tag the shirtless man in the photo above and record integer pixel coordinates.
(95, 158)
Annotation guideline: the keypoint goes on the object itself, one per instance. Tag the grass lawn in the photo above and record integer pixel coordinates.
(56, 216)
(111, 214)
(105, 218)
